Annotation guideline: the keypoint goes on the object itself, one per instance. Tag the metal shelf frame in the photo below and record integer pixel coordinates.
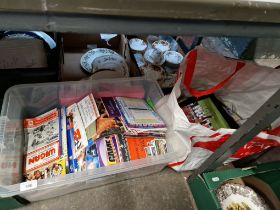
(260, 120)
(255, 18)
(231, 10)
(134, 25)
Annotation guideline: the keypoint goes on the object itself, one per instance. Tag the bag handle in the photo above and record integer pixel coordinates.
(190, 68)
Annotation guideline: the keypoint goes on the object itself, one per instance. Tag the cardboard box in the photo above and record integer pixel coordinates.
(204, 186)
(22, 53)
(78, 42)
(75, 45)
(139, 66)
(268, 189)
(40, 63)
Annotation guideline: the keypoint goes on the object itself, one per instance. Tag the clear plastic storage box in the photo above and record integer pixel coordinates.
(30, 100)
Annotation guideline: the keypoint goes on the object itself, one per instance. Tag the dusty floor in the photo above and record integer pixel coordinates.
(163, 190)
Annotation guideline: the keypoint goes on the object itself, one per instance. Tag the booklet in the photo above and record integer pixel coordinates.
(80, 136)
(72, 158)
(92, 158)
(63, 137)
(89, 113)
(107, 151)
(107, 124)
(123, 152)
(138, 114)
(142, 147)
(43, 144)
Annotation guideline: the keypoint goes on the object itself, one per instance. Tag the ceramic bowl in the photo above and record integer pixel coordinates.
(88, 58)
(154, 56)
(161, 45)
(137, 45)
(173, 59)
(173, 43)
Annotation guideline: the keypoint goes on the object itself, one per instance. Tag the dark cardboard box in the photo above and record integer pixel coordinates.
(170, 76)
(35, 63)
(75, 45)
(22, 53)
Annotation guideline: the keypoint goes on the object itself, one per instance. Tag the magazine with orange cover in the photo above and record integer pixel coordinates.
(142, 147)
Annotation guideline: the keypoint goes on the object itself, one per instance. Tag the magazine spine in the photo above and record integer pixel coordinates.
(63, 131)
(71, 157)
(60, 133)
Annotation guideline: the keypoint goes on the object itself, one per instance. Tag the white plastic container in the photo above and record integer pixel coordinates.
(30, 100)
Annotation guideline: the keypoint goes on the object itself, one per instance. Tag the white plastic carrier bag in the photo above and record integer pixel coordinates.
(195, 141)
(242, 85)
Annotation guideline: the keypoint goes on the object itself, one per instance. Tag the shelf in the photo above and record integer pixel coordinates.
(200, 17)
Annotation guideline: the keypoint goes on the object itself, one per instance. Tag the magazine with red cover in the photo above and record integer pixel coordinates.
(142, 147)
(42, 138)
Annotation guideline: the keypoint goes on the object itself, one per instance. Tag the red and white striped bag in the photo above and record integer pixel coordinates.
(195, 142)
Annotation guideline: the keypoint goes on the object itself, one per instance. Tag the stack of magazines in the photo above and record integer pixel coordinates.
(90, 134)
(137, 117)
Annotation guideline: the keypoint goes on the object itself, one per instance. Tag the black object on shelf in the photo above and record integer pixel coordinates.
(11, 77)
